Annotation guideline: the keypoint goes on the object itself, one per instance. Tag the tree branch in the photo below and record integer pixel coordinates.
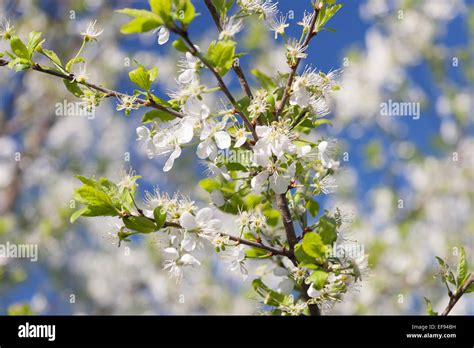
(272, 250)
(108, 92)
(453, 299)
(235, 66)
(184, 35)
(289, 83)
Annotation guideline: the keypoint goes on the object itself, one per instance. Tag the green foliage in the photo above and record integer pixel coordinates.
(159, 216)
(143, 78)
(222, 6)
(462, 269)
(266, 81)
(140, 224)
(429, 307)
(318, 278)
(19, 48)
(327, 229)
(314, 246)
(221, 55)
(325, 14)
(157, 115)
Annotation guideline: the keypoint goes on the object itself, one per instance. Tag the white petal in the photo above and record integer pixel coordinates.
(280, 272)
(322, 146)
(241, 141)
(262, 131)
(188, 221)
(189, 242)
(204, 215)
(163, 36)
(312, 292)
(279, 183)
(186, 76)
(258, 181)
(185, 132)
(189, 260)
(222, 140)
(217, 198)
(171, 253)
(143, 133)
(285, 286)
(169, 163)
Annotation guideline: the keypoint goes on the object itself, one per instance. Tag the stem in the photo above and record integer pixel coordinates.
(289, 83)
(274, 251)
(453, 299)
(108, 92)
(192, 49)
(236, 67)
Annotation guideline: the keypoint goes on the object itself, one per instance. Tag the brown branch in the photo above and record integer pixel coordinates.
(192, 49)
(272, 250)
(235, 66)
(454, 298)
(108, 92)
(294, 68)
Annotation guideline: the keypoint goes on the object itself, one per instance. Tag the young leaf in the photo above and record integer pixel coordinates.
(73, 61)
(160, 217)
(140, 224)
(313, 245)
(34, 39)
(74, 88)
(429, 307)
(462, 269)
(19, 48)
(186, 13)
(318, 278)
(221, 54)
(157, 114)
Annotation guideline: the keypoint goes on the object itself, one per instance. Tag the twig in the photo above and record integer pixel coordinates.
(454, 298)
(191, 47)
(289, 83)
(272, 250)
(235, 66)
(107, 92)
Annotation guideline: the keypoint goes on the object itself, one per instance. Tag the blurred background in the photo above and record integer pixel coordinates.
(407, 180)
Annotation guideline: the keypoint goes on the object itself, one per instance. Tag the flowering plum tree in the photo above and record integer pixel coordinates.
(266, 166)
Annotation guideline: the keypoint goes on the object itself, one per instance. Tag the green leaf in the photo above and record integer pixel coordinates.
(327, 229)
(221, 54)
(157, 114)
(74, 88)
(142, 77)
(251, 200)
(313, 245)
(270, 296)
(139, 25)
(235, 166)
(222, 6)
(163, 9)
(160, 217)
(34, 39)
(265, 80)
(77, 214)
(186, 12)
(429, 307)
(51, 55)
(312, 206)
(272, 216)
(318, 278)
(462, 269)
(470, 288)
(179, 45)
(209, 184)
(256, 253)
(19, 48)
(93, 196)
(140, 224)
(73, 61)
(142, 14)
